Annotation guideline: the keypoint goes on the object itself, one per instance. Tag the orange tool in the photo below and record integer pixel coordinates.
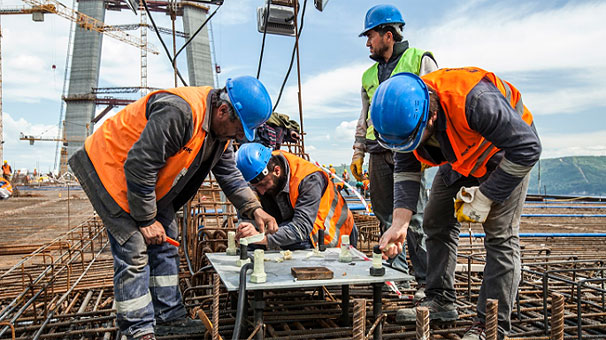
(173, 242)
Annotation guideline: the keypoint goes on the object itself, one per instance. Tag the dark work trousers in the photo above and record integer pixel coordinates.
(146, 283)
(502, 243)
(381, 168)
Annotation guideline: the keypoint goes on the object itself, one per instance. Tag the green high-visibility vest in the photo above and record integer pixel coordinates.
(410, 61)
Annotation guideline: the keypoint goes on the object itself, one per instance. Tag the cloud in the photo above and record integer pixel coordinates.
(22, 155)
(346, 130)
(582, 144)
(236, 12)
(335, 93)
(27, 65)
(526, 38)
(507, 38)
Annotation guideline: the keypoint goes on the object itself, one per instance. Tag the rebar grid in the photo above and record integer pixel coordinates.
(359, 319)
(422, 324)
(44, 284)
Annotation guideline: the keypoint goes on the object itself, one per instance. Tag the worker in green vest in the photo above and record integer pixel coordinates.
(383, 30)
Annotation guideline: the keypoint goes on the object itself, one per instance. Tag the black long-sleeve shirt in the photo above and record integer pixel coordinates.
(489, 113)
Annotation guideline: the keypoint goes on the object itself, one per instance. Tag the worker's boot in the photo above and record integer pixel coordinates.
(438, 311)
(419, 294)
(184, 325)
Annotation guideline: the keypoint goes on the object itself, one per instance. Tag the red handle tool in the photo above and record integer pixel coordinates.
(173, 242)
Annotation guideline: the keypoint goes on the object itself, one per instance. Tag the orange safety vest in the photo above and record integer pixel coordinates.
(108, 147)
(333, 215)
(4, 184)
(452, 86)
(6, 169)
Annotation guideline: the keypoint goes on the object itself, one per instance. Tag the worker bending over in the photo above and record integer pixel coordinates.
(383, 29)
(145, 163)
(299, 195)
(476, 128)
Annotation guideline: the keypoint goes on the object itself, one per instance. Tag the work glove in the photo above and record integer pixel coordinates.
(356, 164)
(471, 205)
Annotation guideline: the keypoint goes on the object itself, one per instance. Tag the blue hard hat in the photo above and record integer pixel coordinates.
(381, 15)
(251, 101)
(399, 112)
(251, 160)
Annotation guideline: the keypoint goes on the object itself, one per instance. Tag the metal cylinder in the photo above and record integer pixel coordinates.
(492, 321)
(216, 285)
(557, 317)
(359, 319)
(423, 323)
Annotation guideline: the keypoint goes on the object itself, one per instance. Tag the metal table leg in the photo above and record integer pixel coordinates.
(258, 307)
(344, 319)
(377, 309)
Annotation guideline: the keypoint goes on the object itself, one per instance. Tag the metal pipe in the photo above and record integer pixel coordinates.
(481, 235)
(359, 319)
(557, 317)
(215, 314)
(492, 322)
(377, 309)
(423, 323)
(241, 300)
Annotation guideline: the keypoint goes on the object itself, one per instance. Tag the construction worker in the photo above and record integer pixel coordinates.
(299, 195)
(333, 172)
(145, 163)
(7, 171)
(6, 189)
(342, 187)
(366, 185)
(345, 175)
(383, 31)
(475, 126)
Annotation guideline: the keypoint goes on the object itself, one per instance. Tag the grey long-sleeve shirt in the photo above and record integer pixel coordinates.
(168, 129)
(295, 223)
(428, 65)
(489, 113)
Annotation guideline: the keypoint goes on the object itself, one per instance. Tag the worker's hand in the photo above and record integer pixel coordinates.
(294, 135)
(356, 164)
(246, 229)
(392, 241)
(471, 205)
(265, 221)
(154, 233)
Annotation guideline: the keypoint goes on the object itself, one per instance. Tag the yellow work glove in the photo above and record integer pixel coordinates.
(471, 205)
(356, 164)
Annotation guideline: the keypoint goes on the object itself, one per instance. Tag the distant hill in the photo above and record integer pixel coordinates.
(577, 175)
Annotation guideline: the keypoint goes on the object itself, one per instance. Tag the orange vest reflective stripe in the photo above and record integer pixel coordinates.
(333, 215)
(108, 147)
(452, 86)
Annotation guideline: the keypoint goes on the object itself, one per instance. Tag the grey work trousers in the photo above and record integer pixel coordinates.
(381, 169)
(502, 243)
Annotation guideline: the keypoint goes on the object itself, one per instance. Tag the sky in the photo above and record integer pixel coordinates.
(552, 51)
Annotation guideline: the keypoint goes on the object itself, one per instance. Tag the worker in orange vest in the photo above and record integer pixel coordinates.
(145, 163)
(366, 185)
(6, 189)
(475, 126)
(299, 195)
(7, 171)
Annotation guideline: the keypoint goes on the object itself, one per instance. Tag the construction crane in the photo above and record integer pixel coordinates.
(39, 8)
(32, 139)
(90, 23)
